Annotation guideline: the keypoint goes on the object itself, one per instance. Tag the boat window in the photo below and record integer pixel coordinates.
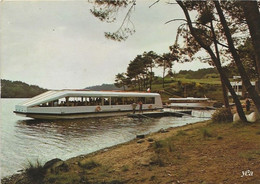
(149, 100)
(129, 100)
(125, 100)
(117, 101)
(94, 101)
(105, 101)
(142, 99)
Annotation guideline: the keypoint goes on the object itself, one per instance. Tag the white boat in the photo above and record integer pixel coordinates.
(190, 102)
(70, 104)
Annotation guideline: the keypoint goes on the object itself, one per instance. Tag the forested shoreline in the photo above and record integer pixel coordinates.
(203, 82)
(18, 89)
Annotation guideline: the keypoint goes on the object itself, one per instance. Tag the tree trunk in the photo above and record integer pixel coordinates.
(217, 64)
(225, 94)
(163, 73)
(252, 15)
(151, 71)
(250, 89)
(224, 90)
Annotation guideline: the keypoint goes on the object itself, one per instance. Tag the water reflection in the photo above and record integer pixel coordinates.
(78, 127)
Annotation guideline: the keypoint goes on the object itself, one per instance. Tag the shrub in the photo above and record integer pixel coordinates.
(158, 144)
(164, 145)
(219, 137)
(157, 160)
(222, 115)
(35, 171)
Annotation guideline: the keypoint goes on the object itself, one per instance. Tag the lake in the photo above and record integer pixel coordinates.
(24, 139)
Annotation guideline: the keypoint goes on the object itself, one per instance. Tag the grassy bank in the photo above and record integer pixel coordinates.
(204, 152)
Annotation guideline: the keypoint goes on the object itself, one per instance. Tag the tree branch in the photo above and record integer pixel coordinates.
(127, 15)
(175, 20)
(170, 3)
(154, 3)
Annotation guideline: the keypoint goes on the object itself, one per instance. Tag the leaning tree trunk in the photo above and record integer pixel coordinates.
(250, 89)
(252, 16)
(224, 90)
(216, 62)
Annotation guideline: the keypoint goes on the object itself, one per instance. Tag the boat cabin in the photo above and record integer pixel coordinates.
(59, 104)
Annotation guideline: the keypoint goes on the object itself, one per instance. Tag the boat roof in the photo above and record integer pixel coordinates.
(188, 99)
(57, 94)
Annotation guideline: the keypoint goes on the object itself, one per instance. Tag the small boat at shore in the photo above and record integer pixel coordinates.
(71, 104)
(190, 103)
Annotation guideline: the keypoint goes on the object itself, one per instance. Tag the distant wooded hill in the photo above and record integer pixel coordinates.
(18, 89)
(199, 74)
(105, 87)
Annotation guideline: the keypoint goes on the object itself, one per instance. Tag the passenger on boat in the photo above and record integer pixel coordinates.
(140, 107)
(134, 107)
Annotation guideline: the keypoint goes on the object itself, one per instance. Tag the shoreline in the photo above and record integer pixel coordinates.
(151, 159)
(20, 172)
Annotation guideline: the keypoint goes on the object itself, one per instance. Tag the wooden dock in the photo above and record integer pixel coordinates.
(159, 114)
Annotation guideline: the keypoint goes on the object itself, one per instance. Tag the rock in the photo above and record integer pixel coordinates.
(56, 165)
(51, 163)
(140, 141)
(150, 140)
(63, 168)
(141, 136)
(236, 117)
(251, 117)
(162, 130)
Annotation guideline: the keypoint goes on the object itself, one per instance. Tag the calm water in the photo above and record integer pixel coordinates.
(24, 139)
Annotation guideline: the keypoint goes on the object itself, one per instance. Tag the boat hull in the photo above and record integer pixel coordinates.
(50, 116)
(191, 105)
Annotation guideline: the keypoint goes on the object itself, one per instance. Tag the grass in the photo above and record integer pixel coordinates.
(206, 133)
(125, 168)
(89, 164)
(64, 178)
(203, 81)
(211, 87)
(162, 145)
(250, 155)
(181, 133)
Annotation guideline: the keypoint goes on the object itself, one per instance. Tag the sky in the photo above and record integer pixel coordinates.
(61, 45)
